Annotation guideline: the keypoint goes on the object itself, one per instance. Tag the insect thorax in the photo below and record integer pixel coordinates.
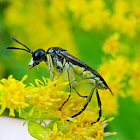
(58, 63)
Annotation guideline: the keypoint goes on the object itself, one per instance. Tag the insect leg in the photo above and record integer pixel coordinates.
(84, 81)
(79, 93)
(50, 66)
(70, 90)
(87, 102)
(99, 105)
(56, 77)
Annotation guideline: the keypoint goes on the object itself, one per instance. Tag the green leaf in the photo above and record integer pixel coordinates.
(36, 130)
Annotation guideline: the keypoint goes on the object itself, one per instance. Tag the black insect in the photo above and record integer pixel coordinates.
(59, 60)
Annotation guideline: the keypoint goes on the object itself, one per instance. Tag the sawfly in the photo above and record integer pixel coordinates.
(59, 60)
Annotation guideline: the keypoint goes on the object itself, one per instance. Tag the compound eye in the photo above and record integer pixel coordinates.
(36, 56)
(39, 54)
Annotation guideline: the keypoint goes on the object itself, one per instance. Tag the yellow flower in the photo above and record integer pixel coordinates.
(78, 8)
(45, 29)
(111, 45)
(134, 72)
(55, 134)
(12, 95)
(80, 130)
(121, 20)
(134, 91)
(114, 72)
(135, 10)
(122, 6)
(45, 95)
(134, 81)
(47, 98)
(95, 16)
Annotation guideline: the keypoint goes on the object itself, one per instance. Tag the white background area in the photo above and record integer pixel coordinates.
(13, 129)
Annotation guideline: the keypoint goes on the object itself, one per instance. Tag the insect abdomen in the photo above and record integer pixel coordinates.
(77, 69)
(82, 72)
(86, 74)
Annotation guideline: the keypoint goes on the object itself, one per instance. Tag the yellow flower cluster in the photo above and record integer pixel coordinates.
(45, 95)
(12, 95)
(121, 72)
(115, 76)
(55, 21)
(134, 82)
(93, 14)
(50, 23)
(43, 26)
(79, 131)
(45, 99)
(112, 44)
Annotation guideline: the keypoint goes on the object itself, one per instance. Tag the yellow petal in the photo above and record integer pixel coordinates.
(3, 106)
(31, 112)
(11, 112)
(24, 78)
(19, 111)
(55, 129)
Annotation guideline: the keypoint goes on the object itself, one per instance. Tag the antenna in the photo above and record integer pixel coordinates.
(27, 49)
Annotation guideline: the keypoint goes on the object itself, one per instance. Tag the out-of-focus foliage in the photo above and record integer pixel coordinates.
(102, 33)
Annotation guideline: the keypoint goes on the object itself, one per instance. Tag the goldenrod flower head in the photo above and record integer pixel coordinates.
(95, 15)
(46, 98)
(134, 81)
(122, 6)
(87, 131)
(74, 105)
(12, 95)
(134, 72)
(134, 91)
(77, 7)
(71, 130)
(114, 72)
(54, 134)
(136, 10)
(45, 95)
(112, 44)
(120, 17)
(47, 15)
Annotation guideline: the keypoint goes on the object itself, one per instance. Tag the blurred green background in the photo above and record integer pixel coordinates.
(105, 34)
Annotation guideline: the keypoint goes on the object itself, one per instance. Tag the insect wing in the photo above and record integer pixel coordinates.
(78, 62)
